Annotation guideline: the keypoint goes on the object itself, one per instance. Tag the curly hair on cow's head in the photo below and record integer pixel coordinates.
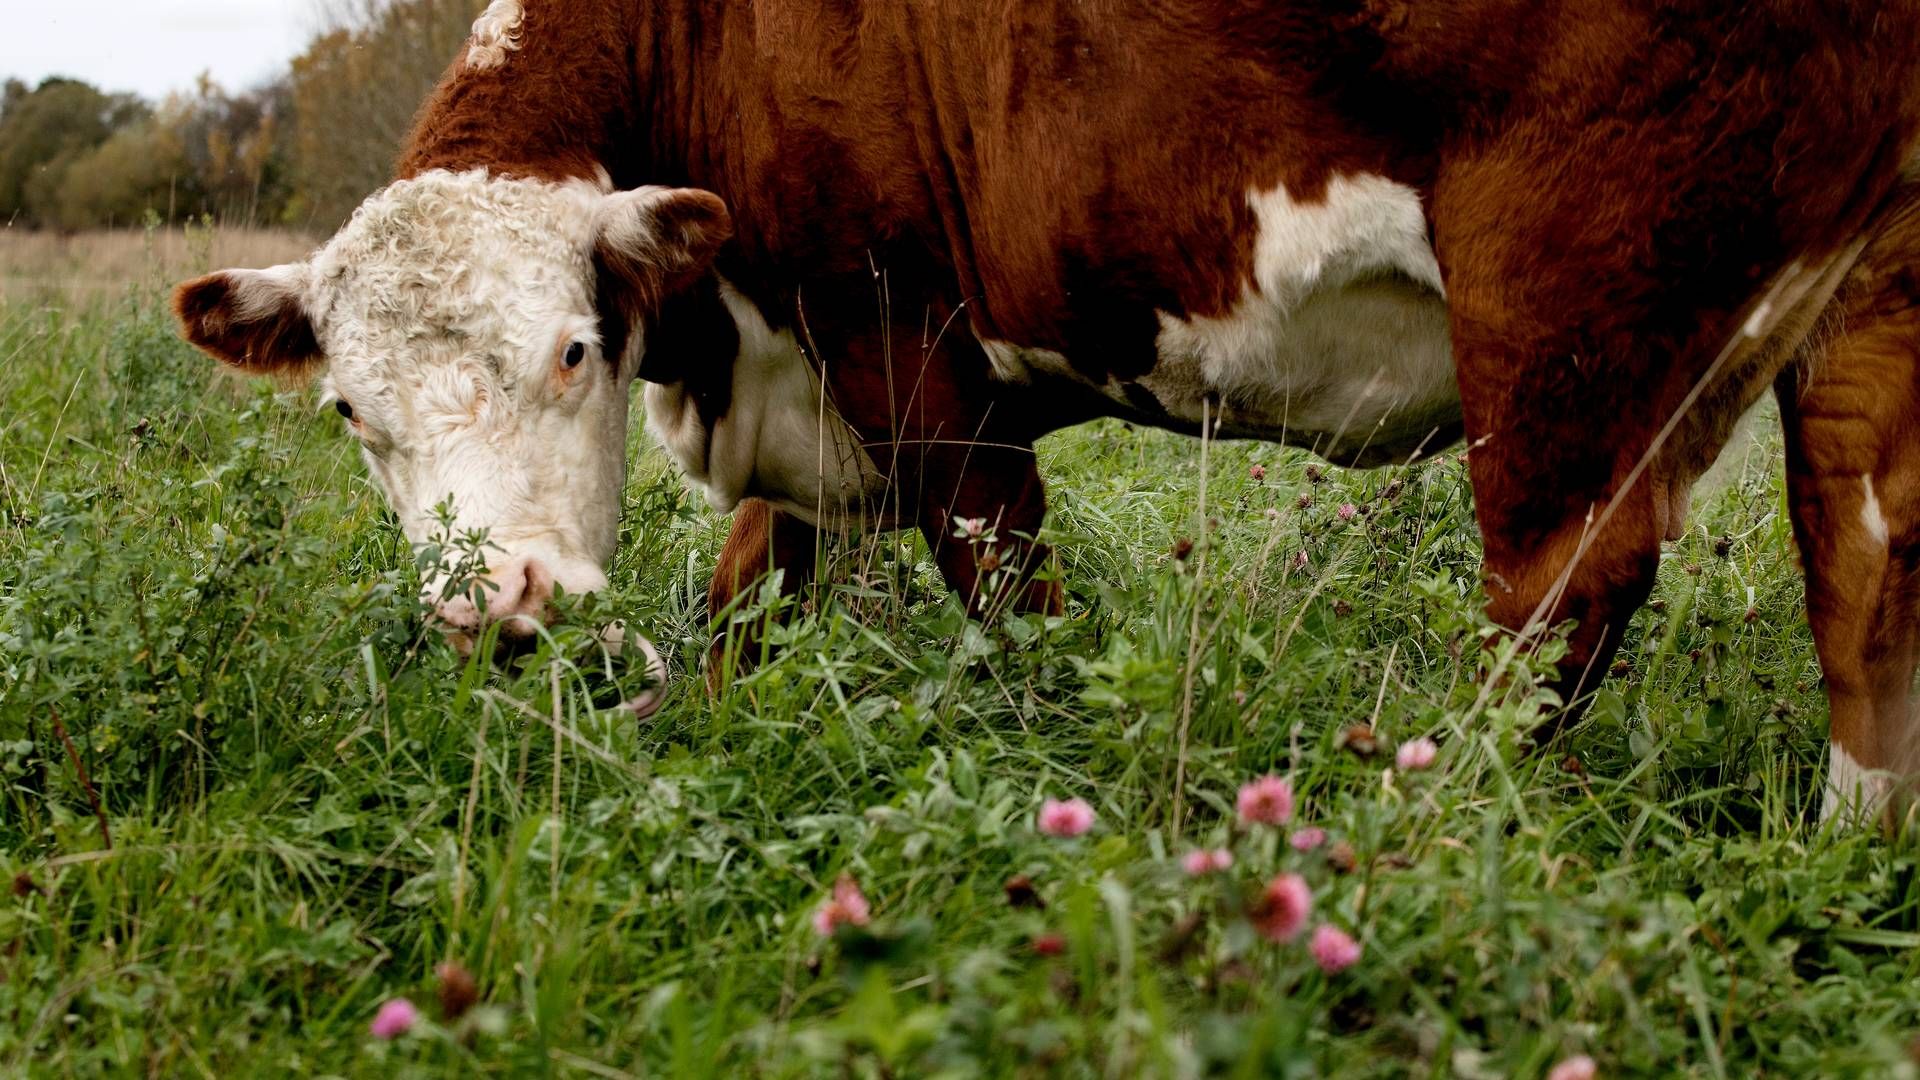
(495, 34)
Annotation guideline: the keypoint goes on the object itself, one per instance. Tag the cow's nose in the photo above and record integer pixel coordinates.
(516, 594)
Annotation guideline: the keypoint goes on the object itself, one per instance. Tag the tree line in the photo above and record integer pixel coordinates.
(301, 150)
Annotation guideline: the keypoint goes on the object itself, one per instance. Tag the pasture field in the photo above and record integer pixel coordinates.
(307, 805)
(47, 267)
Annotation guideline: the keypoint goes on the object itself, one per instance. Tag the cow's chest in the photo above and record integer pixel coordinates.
(1339, 343)
(778, 439)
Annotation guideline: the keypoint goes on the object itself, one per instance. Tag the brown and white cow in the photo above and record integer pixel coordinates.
(863, 254)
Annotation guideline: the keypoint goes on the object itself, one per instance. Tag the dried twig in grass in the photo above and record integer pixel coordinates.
(86, 784)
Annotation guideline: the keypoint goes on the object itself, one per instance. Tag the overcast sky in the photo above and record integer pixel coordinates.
(153, 46)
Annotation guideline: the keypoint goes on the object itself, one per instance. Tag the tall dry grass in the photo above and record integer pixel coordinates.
(81, 269)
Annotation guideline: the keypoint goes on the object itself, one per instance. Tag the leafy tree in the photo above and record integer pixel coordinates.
(355, 92)
(237, 150)
(302, 150)
(140, 167)
(47, 128)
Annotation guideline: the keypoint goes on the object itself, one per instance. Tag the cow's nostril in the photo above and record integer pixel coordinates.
(538, 589)
(512, 645)
(517, 595)
(520, 602)
(458, 615)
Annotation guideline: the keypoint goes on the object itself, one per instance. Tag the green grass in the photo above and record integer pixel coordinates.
(313, 804)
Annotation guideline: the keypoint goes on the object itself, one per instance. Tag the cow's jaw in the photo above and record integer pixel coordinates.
(446, 309)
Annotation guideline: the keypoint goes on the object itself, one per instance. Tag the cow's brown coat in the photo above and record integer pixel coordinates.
(1612, 190)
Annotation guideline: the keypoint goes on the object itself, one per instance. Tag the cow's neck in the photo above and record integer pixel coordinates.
(553, 95)
(679, 93)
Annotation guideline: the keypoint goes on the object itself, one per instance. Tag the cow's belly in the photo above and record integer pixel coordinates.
(1340, 344)
(1362, 373)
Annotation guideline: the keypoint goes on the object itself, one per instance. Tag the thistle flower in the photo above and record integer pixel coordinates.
(846, 907)
(1202, 862)
(1333, 949)
(1416, 754)
(1578, 1067)
(1307, 839)
(394, 1019)
(1266, 801)
(1282, 910)
(1065, 819)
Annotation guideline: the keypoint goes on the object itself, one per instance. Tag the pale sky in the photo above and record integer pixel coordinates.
(153, 46)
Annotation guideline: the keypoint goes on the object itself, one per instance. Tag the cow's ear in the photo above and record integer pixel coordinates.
(651, 245)
(654, 240)
(252, 320)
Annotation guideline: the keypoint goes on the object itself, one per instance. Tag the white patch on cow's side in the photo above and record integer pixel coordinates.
(1341, 340)
(495, 34)
(779, 440)
(1018, 363)
(1855, 794)
(1870, 514)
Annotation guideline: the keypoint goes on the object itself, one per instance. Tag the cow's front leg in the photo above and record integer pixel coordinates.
(1571, 520)
(762, 542)
(957, 452)
(981, 508)
(1851, 407)
(1548, 561)
(1603, 357)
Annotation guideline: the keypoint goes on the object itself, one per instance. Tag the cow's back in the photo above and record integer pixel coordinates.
(1227, 208)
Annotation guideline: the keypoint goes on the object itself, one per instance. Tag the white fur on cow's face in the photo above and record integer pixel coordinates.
(445, 309)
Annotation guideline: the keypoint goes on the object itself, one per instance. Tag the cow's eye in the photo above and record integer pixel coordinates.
(344, 410)
(576, 352)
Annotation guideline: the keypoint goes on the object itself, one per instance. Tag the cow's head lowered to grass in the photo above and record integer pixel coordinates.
(478, 336)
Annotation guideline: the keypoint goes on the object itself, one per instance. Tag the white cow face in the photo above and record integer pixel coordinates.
(474, 334)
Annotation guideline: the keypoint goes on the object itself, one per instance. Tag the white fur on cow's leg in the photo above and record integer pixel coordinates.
(1871, 515)
(1855, 794)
